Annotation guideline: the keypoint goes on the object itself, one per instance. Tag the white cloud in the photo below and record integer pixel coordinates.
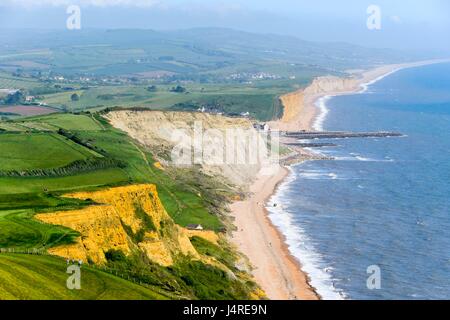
(95, 3)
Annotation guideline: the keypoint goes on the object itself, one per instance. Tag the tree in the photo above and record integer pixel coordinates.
(75, 97)
(178, 89)
(17, 97)
(152, 88)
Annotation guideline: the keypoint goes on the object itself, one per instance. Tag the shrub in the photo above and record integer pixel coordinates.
(115, 255)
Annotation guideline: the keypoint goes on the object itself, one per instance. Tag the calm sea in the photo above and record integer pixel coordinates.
(382, 202)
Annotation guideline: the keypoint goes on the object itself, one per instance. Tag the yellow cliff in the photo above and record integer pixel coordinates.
(121, 214)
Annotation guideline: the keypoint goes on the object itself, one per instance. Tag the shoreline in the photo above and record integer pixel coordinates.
(279, 273)
(274, 268)
(301, 105)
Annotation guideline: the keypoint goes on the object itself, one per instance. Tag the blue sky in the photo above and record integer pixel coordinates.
(406, 24)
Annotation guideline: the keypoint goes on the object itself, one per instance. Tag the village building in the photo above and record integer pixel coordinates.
(194, 227)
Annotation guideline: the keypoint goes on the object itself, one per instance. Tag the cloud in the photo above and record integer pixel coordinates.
(94, 3)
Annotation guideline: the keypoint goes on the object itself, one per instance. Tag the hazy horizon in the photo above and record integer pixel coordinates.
(403, 23)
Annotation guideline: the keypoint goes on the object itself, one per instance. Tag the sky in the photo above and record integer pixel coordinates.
(405, 24)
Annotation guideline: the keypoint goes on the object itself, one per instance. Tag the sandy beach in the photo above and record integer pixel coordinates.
(275, 269)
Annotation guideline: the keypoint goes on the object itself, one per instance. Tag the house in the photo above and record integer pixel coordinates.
(261, 126)
(29, 98)
(194, 227)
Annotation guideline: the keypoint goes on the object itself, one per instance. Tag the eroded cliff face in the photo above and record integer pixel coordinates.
(129, 218)
(155, 130)
(331, 84)
(291, 103)
(298, 107)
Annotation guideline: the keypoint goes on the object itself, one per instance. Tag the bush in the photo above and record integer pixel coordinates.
(178, 89)
(115, 255)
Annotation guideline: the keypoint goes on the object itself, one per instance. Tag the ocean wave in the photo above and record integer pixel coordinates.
(301, 248)
(361, 158)
(365, 86)
(323, 112)
(314, 175)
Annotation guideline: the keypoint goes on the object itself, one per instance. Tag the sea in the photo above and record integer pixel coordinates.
(374, 223)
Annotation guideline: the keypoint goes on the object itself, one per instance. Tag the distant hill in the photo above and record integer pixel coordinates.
(201, 52)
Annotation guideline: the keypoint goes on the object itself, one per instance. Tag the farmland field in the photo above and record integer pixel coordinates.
(12, 185)
(26, 110)
(8, 81)
(261, 103)
(66, 121)
(38, 151)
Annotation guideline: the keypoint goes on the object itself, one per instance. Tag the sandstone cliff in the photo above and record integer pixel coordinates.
(128, 219)
(155, 129)
(299, 109)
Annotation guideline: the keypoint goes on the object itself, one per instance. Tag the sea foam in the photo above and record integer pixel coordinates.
(298, 242)
(301, 247)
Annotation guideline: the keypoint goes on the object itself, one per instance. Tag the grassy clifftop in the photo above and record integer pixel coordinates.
(128, 218)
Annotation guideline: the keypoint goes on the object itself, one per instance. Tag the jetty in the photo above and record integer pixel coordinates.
(308, 135)
(310, 145)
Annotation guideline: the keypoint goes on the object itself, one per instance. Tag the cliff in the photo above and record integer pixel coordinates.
(128, 219)
(155, 129)
(298, 107)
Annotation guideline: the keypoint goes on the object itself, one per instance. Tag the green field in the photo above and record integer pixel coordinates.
(66, 121)
(32, 277)
(13, 185)
(260, 102)
(28, 151)
(38, 151)
(259, 99)
(8, 81)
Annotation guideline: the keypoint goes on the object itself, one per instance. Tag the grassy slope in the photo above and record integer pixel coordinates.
(19, 230)
(13, 185)
(43, 277)
(38, 151)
